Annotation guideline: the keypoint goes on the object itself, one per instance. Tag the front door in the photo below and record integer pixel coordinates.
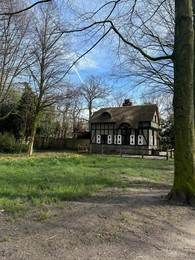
(125, 132)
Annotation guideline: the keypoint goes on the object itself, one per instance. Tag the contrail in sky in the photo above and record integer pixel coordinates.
(79, 76)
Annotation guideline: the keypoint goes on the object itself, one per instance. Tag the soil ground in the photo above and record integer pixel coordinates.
(130, 223)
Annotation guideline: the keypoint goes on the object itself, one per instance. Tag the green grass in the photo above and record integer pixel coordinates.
(44, 214)
(5, 238)
(47, 179)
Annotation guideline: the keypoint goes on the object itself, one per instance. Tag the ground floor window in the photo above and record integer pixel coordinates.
(140, 139)
(124, 139)
(104, 139)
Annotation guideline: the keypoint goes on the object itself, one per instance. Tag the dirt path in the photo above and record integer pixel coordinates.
(130, 223)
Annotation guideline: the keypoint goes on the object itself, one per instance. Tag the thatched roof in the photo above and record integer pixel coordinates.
(126, 114)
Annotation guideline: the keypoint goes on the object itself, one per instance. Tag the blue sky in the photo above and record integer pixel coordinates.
(97, 62)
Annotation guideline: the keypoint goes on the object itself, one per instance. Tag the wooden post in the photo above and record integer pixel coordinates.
(171, 154)
(120, 151)
(167, 155)
(142, 152)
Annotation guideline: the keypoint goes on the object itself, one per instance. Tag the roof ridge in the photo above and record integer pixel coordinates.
(129, 106)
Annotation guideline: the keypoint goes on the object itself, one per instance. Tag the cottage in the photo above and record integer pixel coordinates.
(135, 128)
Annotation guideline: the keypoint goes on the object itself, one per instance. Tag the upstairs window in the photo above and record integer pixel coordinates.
(106, 115)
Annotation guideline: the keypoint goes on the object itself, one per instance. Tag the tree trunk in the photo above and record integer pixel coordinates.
(193, 3)
(32, 135)
(184, 179)
(90, 114)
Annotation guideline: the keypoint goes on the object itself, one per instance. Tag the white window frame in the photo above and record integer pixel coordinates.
(98, 139)
(132, 139)
(109, 139)
(119, 139)
(140, 140)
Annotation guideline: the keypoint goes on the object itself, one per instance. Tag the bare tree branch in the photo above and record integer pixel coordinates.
(137, 47)
(112, 27)
(27, 8)
(95, 44)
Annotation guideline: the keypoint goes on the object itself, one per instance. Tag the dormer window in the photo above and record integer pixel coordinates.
(106, 115)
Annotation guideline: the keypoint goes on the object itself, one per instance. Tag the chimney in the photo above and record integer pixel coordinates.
(127, 103)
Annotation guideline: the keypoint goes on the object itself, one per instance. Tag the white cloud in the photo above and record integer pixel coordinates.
(85, 62)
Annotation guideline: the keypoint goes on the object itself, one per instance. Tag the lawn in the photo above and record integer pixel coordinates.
(50, 178)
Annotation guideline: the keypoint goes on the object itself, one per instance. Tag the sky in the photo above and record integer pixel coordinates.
(97, 62)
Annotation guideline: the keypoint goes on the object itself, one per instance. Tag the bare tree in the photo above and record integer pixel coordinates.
(13, 49)
(21, 10)
(47, 66)
(156, 34)
(71, 112)
(95, 89)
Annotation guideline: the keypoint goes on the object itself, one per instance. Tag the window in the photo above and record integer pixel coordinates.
(140, 139)
(109, 141)
(104, 139)
(132, 139)
(119, 139)
(106, 115)
(98, 139)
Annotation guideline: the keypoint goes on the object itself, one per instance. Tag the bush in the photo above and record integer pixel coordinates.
(8, 144)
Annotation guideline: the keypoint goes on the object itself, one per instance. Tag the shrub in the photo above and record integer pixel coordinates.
(8, 144)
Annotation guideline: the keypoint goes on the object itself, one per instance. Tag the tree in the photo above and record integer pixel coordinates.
(157, 33)
(117, 98)
(71, 109)
(48, 127)
(25, 113)
(8, 114)
(183, 189)
(19, 121)
(183, 103)
(47, 63)
(167, 133)
(94, 89)
(10, 13)
(13, 46)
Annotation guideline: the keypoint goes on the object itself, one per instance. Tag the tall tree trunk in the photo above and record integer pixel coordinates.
(184, 179)
(33, 132)
(193, 3)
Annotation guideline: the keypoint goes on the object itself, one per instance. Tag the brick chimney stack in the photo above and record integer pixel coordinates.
(127, 102)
